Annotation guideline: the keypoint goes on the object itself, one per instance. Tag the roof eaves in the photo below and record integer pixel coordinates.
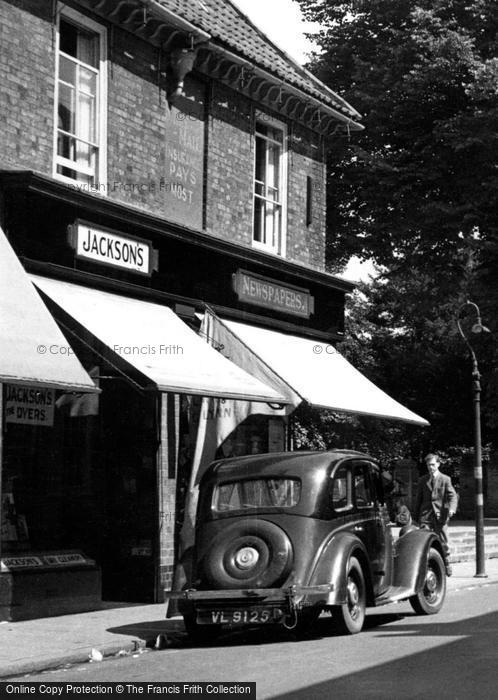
(158, 9)
(327, 94)
(353, 125)
(297, 66)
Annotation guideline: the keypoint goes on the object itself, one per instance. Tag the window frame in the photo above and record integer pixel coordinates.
(363, 469)
(244, 485)
(349, 488)
(100, 175)
(281, 245)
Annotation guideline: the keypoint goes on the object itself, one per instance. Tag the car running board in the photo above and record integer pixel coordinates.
(394, 594)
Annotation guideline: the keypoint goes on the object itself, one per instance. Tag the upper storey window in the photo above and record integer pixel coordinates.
(80, 101)
(270, 178)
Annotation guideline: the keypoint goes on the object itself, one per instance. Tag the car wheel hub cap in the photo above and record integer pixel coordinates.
(431, 584)
(246, 558)
(353, 599)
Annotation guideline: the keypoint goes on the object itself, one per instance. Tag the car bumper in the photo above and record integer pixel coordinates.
(248, 605)
(251, 594)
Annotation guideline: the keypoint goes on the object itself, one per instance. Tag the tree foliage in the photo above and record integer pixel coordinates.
(417, 192)
(422, 177)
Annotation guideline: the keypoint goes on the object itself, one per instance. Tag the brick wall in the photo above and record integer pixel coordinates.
(136, 120)
(305, 243)
(137, 124)
(26, 85)
(230, 166)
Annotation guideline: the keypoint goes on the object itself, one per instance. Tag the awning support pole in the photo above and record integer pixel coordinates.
(1, 465)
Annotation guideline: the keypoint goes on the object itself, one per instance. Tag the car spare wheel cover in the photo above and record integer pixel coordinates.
(248, 553)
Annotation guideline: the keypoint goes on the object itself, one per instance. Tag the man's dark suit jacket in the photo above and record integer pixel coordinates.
(439, 499)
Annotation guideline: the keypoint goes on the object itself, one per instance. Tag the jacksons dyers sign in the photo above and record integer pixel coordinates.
(29, 405)
(261, 291)
(112, 248)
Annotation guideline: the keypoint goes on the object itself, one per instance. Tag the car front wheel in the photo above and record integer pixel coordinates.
(429, 600)
(349, 617)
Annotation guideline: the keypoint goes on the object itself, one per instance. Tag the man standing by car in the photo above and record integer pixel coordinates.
(436, 503)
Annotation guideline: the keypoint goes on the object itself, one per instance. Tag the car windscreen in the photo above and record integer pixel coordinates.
(256, 493)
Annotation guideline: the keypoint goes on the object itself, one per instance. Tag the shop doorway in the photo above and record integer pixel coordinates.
(128, 451)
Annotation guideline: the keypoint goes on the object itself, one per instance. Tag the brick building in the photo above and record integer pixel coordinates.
(158, 159)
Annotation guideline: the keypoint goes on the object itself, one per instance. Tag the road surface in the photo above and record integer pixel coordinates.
(398, 655)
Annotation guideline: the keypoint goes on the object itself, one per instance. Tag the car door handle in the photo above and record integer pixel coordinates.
(358, 528)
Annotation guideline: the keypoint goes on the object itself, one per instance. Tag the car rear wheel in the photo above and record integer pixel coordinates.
(429, 600)
(349, 617)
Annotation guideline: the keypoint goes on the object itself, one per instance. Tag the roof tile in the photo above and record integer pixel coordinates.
(229, 26)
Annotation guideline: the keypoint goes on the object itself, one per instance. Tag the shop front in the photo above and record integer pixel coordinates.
(90, 463)
(154, 372)
(188, 349)
(40, 571)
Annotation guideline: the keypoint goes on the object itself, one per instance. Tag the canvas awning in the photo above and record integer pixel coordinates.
(154, 341)
(33, 350)
(320, 374)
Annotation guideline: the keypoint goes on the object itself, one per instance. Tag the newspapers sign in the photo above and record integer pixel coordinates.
(262, 291)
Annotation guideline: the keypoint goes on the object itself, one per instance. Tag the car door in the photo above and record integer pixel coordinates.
(371, 526)
(353, 503)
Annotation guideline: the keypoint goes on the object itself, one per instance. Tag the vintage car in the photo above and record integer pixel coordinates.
(282, 537)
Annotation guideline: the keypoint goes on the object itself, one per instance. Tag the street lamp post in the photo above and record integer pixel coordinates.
(477, 328)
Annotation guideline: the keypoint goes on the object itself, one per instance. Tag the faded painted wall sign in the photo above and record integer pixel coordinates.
(184, 157)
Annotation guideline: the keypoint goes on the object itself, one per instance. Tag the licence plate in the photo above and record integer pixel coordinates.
(245, 616)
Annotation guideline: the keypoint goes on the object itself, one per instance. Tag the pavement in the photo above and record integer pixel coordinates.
(127, 629)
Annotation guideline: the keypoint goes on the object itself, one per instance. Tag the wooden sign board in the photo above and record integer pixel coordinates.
(262, 291)
(111, 248)
(29, 405)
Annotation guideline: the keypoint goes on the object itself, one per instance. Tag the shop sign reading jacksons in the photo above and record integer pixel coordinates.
(261, 291)
(21, 562)
(29, 405)
(112, 248)
(56, 559)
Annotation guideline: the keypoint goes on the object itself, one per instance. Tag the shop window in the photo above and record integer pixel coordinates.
(80, 101)
(49, 492)
(270, 178)
(252, 437)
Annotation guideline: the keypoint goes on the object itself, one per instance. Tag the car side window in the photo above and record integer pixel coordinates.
(341, 489)
(363, 489)
(383, 483)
